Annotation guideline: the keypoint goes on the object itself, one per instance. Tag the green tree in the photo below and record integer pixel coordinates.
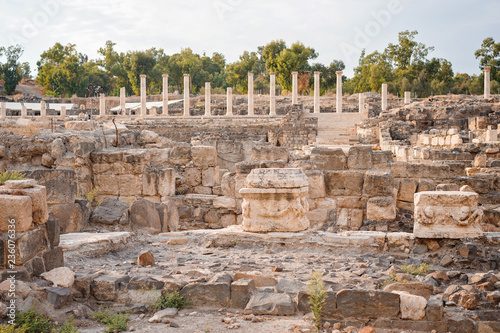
(11, 69)
(271, 53)
(489, 55)
(328, 77)
(113, 64)
(407, 52)
(26, 70)
(293, 59)
(237, 73)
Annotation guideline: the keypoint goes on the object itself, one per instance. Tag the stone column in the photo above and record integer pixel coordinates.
(3, 110)
(295, 87)
(102, 105)
(407, 97)
(316, 92)
(165, 94)
(487, 70)
(339, 91)
(143, 95)
(24, 111)
(208, 112)
(43, 110)
(361, 102)
(229, 103)
(122, 100)
(272, 94)
(250, 94)
(63, 112)
(384, 96)
(186, 95)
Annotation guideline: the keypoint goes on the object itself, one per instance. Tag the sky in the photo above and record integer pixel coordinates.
(337, 30)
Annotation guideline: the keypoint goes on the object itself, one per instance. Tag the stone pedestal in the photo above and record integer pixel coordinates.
(447, 214)
(122, 100)
(229, 102)
(24, 111)
(407, 97)
(63, 112)
(165, 95)
(186, 95)
(143, 95)
(491, 135)
(361, 105)
(339, 91)
(316, 92)
(275, 200)
(250, 94)
(208, 112)
(43, 110)
(3, 110)
(272, 94)
(102, 105)
(487, 70)
(295, 88)
(384, 96)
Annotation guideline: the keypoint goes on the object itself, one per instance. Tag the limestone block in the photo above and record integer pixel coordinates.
(129, 185)
(192, 176)
(228, 219)
(344, 183)
(265, 303)
(407, 189)
(241, 292)
(239, 183)
(378, 184)
(328, 159)
(350, 218)
(180, 155)
(210, 176)
(149, 183)
(225, 203)
(269, 153)
(381, 209)
(204, 156)
(143, 215)
(368, 304)
(349, 202)
(456, 140)
(60, 184)
(149, 137)
(215, 294)
(107, 184)
(318, 217)
(166, 182)
(18, 209)
(227, 184)
(274, 200)
(412, 307)
(29, 244)
(39, 200)
(450, 214)
(70, 216)
(110, 211)
(360, 157)
(316, 184)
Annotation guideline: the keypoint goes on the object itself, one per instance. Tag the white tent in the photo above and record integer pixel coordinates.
(38, 106)
(149, 105)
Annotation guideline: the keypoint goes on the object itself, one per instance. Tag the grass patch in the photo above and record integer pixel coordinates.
(171, 300)
(32, 322)
(11, 175)
(422, 269)
(115, 322)
(91, 196)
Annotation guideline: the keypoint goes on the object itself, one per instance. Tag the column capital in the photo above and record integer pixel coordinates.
(186, 75)
(229, 89)
(143, 76)
(317, 73)
(250, 74)
(487, 68)
(295, 73)
(272, 73)
(164, 75)
(339, 72)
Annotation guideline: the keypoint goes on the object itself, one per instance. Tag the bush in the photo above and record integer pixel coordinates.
(33, 322)
(11, 175)
(414, 270)
(170, 300)
(116, 322)
(317, 297)
(11, 329)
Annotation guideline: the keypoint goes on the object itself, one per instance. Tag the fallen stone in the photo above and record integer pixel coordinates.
(288, 286)
(412, 307)
(207, 294)
(58, 296)
(60, 277)
(105, 288)
(241, 292)
(414, 288)
(434, 309)
(368, 304)
(264, 303)
(144, 216)
(260, 280)
(22, 289)
(146, 258)
(162, 315)
(111, 211)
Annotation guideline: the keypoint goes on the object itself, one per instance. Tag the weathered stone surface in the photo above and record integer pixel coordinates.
(274, 200)
(208, 294)
(350, 218)
(360, 157)
(70, 216)
(407, 189)
(53, 232)
(149, 137)
(414, 288)
(169, 215)
(328, 159)
(163, 315)
(434, 309)
(82, 284)
(30, 244)
(60, 184)
(318, 217)
(105, 288)
(180, 155)
(22, 289)
(368, 304)
(241, 292)
(269, 153)
(381, 209)
(145, 283)
(58, 296)
(204, 156)
(317, 187)
(378, 183)
(143, 215)
(166, 182)
(225, 203)
(451, 214)
(210, 176)
(111, 211)
(53, 258)
(20, 184)
(412, 307)
(18, 209)
(460, 324)
(488, 327)
(344, 183)
(270, 304)
(329, 307)
(146, 258)
(3, 310)
(60, 277)
(288, 286)
(228, 184)
(260, 280)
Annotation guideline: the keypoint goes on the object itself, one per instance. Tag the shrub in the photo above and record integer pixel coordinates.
(170, 300)
(11, 175)
(33, 322)
(317, 297)
(115, 322)
(414, 270)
